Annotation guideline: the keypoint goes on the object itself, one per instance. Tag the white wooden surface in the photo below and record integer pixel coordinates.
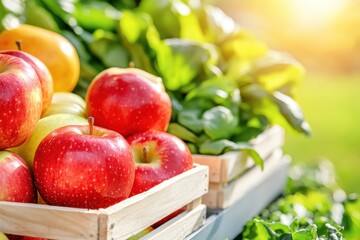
(179, 227)
(228, 223)
(220, 196)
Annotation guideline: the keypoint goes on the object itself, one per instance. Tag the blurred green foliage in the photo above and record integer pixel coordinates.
(332, 106)
(311, 207)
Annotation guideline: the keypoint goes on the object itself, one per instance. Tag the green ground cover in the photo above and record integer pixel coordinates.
(332, 107)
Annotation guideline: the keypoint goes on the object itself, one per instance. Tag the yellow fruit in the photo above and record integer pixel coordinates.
(54, 50)
(43, 128)
(3, 236)
(66, 102)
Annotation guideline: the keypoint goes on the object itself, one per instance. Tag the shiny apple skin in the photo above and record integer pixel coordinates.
(167, 157)
(16, 182)
(42, 72)
(20, 101)
(75, 169)
(128, 103)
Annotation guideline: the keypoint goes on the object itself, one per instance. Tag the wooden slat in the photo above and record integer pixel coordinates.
(119, 221)
(180, 226)
(130, 216)
(48, 221)
(223, 196)
(217, 166)
(229, 222)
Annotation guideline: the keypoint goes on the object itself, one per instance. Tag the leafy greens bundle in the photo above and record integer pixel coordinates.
(226, 86)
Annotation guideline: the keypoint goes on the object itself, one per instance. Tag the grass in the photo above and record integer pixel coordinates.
(332, 107)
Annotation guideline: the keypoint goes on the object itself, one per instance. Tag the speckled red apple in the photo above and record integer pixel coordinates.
(128, 101)
(41, 71)
(158, 156)
(20, 101)
(84, 166)
(16, 183)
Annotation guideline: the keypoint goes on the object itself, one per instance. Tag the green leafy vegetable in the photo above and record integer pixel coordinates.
(312, 207)
(219, 122)
(106, 47)
(181, 132)
(224, 83)
(292, 112)
(220, 146)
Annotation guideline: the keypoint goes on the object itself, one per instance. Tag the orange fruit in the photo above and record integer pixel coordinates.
(54, 50)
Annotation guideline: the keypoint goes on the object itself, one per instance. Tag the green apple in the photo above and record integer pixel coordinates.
(43, 128)
(3, 236)
(66, 102)
(140, 234)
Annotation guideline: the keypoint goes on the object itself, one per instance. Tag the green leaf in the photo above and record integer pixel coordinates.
(198, 59)
(192, 147)
(92, 15)
(218, 147)
(219, 122)
(106, 46)
(279, 228)
(292, 112)
(217, 89)
(165, 18)
(176, 106)
(190, 116)
(247, 133)
(277, 70)
(39, 16)
(191, 119)
(181, 132)
(134, 32)
(351, 217)
(174, 19)
(305, 234)
(294, 225)
(216, 24)
(286, 236)
(256, 230)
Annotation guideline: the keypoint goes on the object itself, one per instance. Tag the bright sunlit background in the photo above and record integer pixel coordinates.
(324, 35)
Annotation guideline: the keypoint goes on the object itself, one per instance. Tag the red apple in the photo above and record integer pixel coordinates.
(33, 238)
(84, 166)
(42, 72)
(158, 156)
(128, 101)
(18, 237)
(20, 101)
(16, 183)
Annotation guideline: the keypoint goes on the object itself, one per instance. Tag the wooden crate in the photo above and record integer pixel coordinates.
(255, 196)
(119, 221)
(226, 167)
(222, 196)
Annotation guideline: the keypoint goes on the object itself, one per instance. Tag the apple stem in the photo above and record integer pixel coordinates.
(18, 44)
(131, 64)
(91, 125)
(145, 154)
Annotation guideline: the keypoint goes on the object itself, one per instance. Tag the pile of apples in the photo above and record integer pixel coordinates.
(113, 150)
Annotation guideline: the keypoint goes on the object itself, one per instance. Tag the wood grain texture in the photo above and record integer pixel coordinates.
(181, 226)
(220, 197)
(48, 221)
(134, 214)
(119, 221)
(229, 222)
